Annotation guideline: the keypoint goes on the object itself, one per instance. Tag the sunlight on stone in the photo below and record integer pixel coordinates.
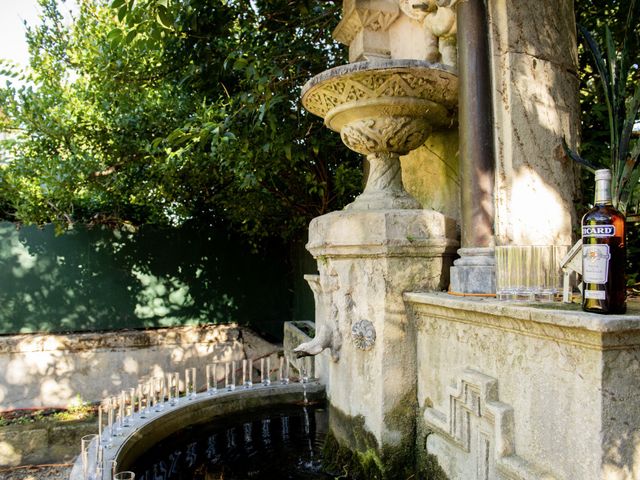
(177, 355)
(156, 371)
(17, 372)
(51, 343)
(538, 98)
(530, 196)
(54, 392)
(8, 454)
(63, 364)
(129, 365)
(116, 379)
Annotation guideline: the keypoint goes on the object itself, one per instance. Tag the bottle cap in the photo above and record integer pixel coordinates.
(604, 174)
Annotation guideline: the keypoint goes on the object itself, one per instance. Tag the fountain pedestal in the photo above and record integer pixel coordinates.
(380, 246)
(366, 260)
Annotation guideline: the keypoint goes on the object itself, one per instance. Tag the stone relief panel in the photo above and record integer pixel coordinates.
(397, 134)
(482, 429)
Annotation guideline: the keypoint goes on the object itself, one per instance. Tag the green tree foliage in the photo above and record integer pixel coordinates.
(621, 19)
(611, 28)
(163, 111)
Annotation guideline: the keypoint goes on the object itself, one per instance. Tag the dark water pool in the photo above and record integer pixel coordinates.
(274, 443)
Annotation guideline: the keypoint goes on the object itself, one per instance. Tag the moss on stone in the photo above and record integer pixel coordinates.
(431, 469)
(352, 452)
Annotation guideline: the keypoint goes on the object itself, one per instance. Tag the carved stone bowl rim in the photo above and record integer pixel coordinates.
(377, 67)
(386, 107)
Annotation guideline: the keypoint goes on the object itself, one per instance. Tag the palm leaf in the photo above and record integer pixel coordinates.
(630, 182)
(627, 127)
(605, 78)
(592, 167)
(616, 114)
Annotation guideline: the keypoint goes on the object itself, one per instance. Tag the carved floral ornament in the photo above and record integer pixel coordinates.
(397, 134)
(363, 334)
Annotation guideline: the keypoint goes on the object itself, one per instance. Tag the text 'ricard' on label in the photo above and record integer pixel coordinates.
(598, 231)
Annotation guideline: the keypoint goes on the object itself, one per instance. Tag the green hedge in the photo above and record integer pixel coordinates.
(101, 279)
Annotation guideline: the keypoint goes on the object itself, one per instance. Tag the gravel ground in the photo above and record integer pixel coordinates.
(37, 472)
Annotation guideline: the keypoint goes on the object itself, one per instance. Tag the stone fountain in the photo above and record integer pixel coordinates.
(477, 383)
(380, 245)
(384, 109)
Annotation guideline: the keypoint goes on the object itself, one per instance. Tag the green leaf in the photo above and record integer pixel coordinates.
(131, 36)
(122, 12)
(117, 3)
(628, 124)
(115, 34)
(605, 80)
(631, 182)
(164, 17)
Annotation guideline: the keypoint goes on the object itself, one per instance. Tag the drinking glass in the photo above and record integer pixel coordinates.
(528, 272)
(159, 392)
(230, 375)
(123, 409)
(303, 368)
(107, 439)
(115, 419)
(284, 370)
(127, 475)
(143, 399)
(173, 388)
(265, 373)
(247, 370)
(99, 460)
(88, 458)
(190, 382)
(212, 377)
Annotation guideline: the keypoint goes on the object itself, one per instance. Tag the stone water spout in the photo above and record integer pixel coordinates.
(327, 333)
(384, 109)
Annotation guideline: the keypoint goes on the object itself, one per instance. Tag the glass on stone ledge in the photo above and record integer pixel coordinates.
(529, 273)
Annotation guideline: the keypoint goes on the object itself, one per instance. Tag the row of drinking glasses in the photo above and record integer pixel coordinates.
(160, 392)
(88, 442)
(529, 272)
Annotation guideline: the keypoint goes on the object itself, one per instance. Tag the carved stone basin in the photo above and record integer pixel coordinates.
(384, 109)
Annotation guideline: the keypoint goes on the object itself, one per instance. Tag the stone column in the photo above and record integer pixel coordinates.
(535, 95)
(474, 272)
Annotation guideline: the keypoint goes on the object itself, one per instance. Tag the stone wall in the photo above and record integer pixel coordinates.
(508, 391)
(51, 370)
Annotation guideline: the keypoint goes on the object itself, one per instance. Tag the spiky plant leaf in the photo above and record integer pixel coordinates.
(592, 167)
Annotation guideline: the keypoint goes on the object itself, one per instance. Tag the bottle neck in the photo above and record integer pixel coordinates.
(603, 192)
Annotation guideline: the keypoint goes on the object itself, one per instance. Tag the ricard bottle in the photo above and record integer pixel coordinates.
(603, 252)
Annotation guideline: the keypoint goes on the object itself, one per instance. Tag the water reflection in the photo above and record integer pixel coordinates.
(277, 443)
